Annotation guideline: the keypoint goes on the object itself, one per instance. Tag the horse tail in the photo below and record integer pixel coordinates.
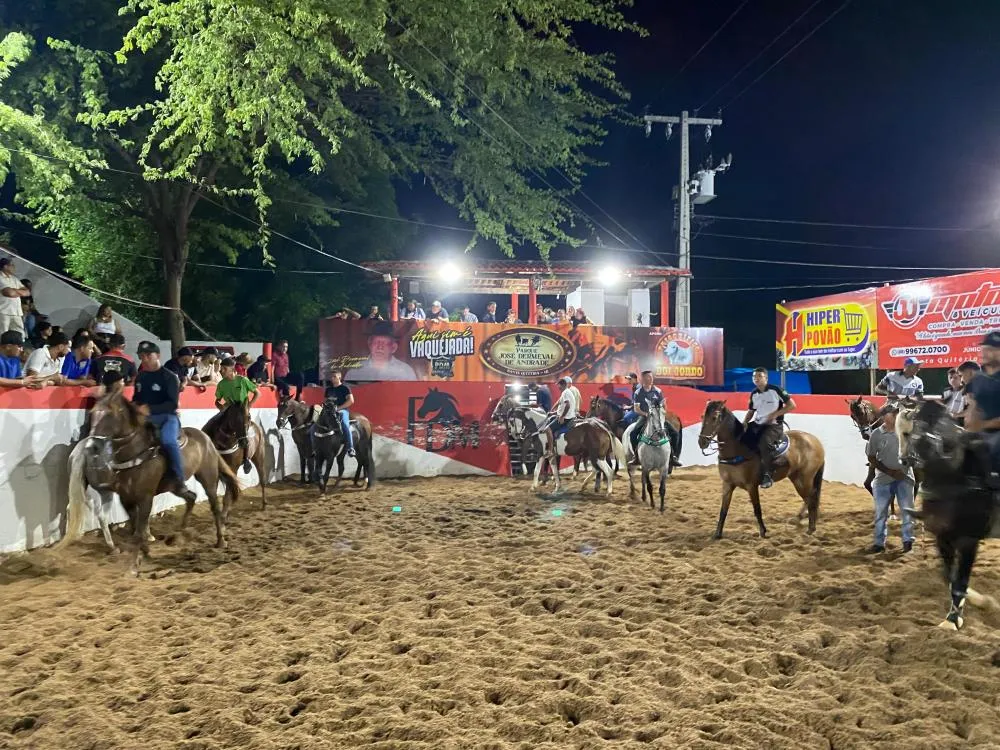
(77, 507)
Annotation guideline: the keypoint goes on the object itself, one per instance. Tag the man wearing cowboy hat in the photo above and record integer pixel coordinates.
(381, 364)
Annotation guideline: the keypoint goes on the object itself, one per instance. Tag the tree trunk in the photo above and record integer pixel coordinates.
(173, 252)
(174, 278)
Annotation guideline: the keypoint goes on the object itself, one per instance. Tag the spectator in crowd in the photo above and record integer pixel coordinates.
(904, 383)
(29, 316)
(580, 318)
(206, 366)
(491, 313)
(561, 317)
(242, 363)
(953, 396)
(414, 311)
(104, 324)
(115, 360)
(465, 316)
(76, 365)
(437, 312)
(570, 312)
(381, 364)
(11, 368)
(346, 313)
(257, 372)
(11, 293)
(46, 362)
(373, 313)
(282, 370)
(43, 329)
(542, 315)
(183, 367)
(512, 318)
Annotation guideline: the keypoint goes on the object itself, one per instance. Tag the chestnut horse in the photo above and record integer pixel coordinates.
(226, 430)
(802, 463)
(122, 454)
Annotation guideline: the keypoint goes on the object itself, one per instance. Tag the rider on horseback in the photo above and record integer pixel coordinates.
(983, 394)
(629, 415)
(646, 396)
(564, 413)
(344, 399)
(156, 393)
(765, 422)
(235, 389)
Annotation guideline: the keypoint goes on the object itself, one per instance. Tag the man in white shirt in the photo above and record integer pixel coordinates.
(466, 316)
(46, 362)
(381, 365)
(765, 421)
(904, 383)
(11, 293)
(565, 411)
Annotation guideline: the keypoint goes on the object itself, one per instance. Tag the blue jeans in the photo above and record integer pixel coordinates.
(629, 417)
(170, 435)
(883, 493)
(345, 424)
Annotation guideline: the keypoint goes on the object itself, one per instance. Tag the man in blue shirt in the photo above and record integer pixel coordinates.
(11, 368)
(76, 364)
(983, 394)
(157, 391)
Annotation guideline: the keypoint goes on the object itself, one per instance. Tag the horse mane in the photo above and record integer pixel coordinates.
(728, 416)
(132, 413)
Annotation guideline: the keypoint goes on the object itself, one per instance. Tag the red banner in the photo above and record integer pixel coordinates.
(939, 321)
(489, 352)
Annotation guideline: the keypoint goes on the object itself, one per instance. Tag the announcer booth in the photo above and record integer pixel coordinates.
(617, 296)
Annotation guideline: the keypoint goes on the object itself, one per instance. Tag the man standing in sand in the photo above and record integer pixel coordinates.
(887, 478)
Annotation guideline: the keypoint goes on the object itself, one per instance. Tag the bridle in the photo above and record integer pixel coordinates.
(714, 444)
(336, 427)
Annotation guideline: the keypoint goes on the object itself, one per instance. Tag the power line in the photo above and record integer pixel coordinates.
(760, 54)
(842, 225)
(528, 143)
(862, 284)
(819, 26)
(839, 265)
(798, 242)
(701, 49)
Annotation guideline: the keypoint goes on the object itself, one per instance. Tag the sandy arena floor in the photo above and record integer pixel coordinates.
(479, 616)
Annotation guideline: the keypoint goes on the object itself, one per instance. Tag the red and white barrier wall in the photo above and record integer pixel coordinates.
(421, 429)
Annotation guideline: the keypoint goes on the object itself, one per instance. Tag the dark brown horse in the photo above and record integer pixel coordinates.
(329, 445)
(739, 466)
(301, 417)
(122, 454)
(228, 429)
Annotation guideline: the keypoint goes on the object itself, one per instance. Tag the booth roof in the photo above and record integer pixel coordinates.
(513, 276)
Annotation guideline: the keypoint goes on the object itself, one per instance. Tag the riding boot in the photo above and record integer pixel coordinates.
(181, 490)
(766, 481)
(675, 453)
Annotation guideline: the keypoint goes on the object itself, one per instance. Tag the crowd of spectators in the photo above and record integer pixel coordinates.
(573, 316)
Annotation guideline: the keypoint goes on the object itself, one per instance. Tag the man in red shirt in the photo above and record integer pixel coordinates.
(282, 370)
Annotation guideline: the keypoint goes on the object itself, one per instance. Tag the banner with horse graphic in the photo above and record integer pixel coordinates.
(410, 350)
(939, 321)
(835, 332)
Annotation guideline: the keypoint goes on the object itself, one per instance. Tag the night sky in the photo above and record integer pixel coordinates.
(887, 115)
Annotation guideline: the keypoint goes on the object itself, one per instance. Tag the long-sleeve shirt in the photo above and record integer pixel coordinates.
(159, 390)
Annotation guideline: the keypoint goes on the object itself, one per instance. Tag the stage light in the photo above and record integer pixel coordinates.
(449, 271)
(609, 275)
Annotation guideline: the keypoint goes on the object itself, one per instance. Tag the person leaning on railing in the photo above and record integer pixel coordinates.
(11, 368)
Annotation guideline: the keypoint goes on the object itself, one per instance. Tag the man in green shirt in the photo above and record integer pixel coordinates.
(236, 389)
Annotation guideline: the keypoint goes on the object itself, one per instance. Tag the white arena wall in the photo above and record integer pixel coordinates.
(35, 445)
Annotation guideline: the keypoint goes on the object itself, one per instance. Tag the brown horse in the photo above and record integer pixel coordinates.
(739, 466)
(613, 413)
(228, 429)
(123, 455)
(301, 416)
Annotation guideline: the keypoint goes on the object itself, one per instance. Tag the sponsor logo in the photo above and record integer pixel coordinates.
(528, 352)
(827, 331)
(683, 357)
(906, 309)
(434, 423)
(963, 314)
(441, 347)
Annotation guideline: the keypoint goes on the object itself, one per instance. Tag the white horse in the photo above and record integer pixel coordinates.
(654, 453)
(525, 422)
(106, 496)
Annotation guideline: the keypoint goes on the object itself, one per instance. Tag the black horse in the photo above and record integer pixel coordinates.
(959, 501)
(329, 445)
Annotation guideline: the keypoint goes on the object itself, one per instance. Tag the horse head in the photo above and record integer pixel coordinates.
(927, 435)
(329, 418)
(235, 418)
(114, 421)
(863, 415)
(654, 423)
(284, 410)
(595, 402)
(519, 426)
(712, 422)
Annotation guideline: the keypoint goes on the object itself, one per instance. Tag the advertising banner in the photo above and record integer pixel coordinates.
(939, 321)
(836, 332)
(491, 352)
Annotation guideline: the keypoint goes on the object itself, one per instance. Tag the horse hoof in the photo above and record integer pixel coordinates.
(981, 600)
(716, 536)
(953, 626)
(114, 551)
(150, 538)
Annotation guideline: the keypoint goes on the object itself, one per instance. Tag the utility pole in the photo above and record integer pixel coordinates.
(686, 190)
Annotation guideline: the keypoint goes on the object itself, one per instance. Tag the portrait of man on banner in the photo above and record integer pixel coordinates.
(382, 363)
